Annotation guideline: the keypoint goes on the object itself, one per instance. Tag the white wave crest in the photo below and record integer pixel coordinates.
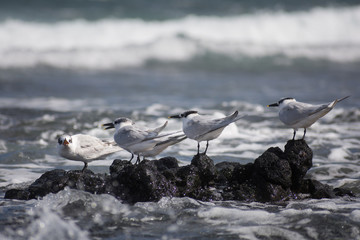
(328, 33)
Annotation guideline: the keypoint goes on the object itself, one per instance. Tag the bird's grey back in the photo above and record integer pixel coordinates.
(201, 125)
(297, 111)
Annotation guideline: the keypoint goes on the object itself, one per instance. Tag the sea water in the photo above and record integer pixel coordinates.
(70, 66)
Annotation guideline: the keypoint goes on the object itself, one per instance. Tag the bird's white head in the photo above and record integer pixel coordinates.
(118, 123)
(282, 102)
(65, 141)
(187, 114)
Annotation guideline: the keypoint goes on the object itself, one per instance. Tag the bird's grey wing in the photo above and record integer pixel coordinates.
(215, 124)
(109, 142)
(156, 131)
(130, 135)
(162, 145)
(293, 114)
(93, 147)
(198, 126)
(211, 130)
(172, 140)
(87, 141)
(229, 119)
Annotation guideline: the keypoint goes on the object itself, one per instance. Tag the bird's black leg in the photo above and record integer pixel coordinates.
(85, 166)
(132, 156)
(304, 133)
(294, 135)
(198, 148)
(138, 159)
(207, 145)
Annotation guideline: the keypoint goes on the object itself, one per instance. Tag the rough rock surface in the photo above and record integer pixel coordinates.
(276, 175)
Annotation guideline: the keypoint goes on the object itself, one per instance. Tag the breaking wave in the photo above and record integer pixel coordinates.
(327, 33)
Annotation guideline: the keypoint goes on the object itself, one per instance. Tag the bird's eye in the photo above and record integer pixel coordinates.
(181, 115)
(59, 141)
(70, 140)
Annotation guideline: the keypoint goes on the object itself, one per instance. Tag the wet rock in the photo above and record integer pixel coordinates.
(247, 191)
(50, 182)
(276, 175)
(274, 168)
(166, 163)
(243, 173)
(206, 169)
(317, 190)
(299, 155)
(226, 172)
(56, 180)
(140, 183)
(20, 194)
(270, 192)
(188, 181)
(341, 192)
(87, 181)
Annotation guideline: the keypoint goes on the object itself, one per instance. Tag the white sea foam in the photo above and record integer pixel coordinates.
(104, 202)
(53, 103)
(51, 225)
(254, 232)
(20, 175)
(3, 147)
(338, 154)
(355, 215)
(328, 33)
(224, 215)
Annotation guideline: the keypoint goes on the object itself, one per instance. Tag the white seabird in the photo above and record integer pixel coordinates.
(302, 115)
(85, 148)
(203, 128)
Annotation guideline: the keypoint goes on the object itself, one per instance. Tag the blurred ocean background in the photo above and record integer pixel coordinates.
(69, 66)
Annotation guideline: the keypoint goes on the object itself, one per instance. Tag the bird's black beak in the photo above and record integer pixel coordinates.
(175, 116)
(108, 125)
(273, 105)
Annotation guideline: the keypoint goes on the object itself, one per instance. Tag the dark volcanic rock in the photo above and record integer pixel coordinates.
(341, 192)
(140, 183)
(226, 172)
(56, 180)
(299, 155)
(166, 163)
(206, 169)
(188, 181)
(87, 181)
(316, 189)
(20, 194)
(274, 176)
(50, 182)
(273, 167)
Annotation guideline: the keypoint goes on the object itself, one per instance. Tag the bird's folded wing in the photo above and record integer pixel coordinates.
(210, 131)
(86, 141)
(136, 136)
(156, 131)
(172, 140)
(300, 112)
(227, 120)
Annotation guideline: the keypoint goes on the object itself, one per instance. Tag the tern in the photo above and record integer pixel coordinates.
(302, 115)
(85, 148)
(203, 128)
(134, 139)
